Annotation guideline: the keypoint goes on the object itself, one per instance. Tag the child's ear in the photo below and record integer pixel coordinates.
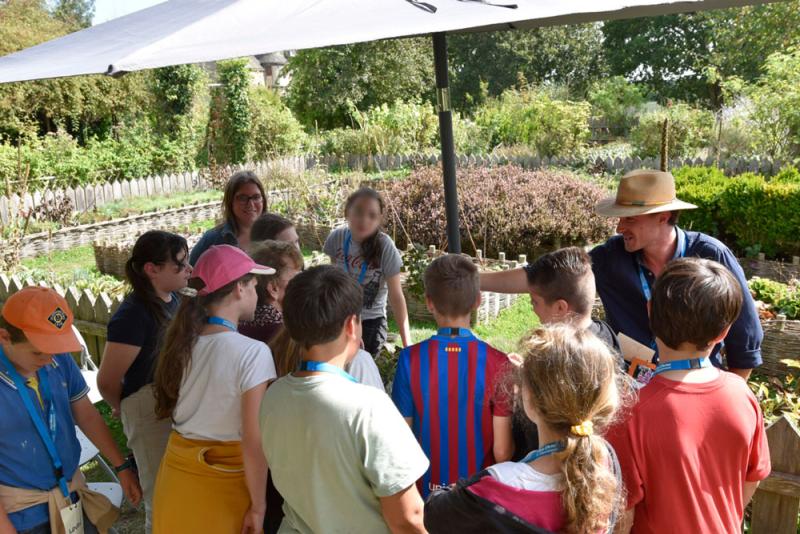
(272, 289)
(151, 269)
(429, 304)
(5, 337)
(722, 335)
(478, 301)
(562, 307)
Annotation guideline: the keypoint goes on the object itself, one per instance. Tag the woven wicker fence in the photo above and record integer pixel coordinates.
(117, 229)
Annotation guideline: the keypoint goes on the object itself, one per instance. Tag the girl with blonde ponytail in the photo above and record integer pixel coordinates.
(569, 386)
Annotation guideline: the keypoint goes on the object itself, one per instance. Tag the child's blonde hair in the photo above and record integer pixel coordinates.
(576, 389)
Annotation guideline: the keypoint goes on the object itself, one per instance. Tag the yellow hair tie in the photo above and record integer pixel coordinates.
(584, 429)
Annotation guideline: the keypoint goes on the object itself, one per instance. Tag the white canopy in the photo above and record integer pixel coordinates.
(194, 31)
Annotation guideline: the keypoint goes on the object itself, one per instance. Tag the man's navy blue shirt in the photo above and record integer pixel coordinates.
(617, 274)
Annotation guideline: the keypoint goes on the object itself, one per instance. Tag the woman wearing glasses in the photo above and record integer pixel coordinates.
(242, 204)
(156, 270)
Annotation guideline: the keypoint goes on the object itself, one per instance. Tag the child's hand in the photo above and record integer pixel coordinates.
(253, 520)
(130, 486)
(515, 359)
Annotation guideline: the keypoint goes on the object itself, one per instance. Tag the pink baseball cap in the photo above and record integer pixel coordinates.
(222, 264)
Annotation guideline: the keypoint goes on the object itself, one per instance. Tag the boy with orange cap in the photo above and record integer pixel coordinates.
(42, 397)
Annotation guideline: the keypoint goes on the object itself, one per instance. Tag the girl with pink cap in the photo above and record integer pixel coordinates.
(210, 380)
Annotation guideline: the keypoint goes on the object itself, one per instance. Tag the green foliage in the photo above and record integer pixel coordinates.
(487, 63)
(673, 55)
(326, 81)
(690, 130)
(783, 298)
(76, 13)
(233, 140)
(532, 117)
(399, 128)
(776, 106)
(502, 209)
(83, 106)
(745, 211)
(273, 129)
(778, 396)
(665, 53)
(617, 100)
(176, 90)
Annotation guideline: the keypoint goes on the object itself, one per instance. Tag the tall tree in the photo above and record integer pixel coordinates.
(485, 64)
(75, 13)
(673, 54)
(324, 80)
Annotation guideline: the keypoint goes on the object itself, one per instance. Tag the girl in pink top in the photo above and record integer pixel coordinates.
(570, 387)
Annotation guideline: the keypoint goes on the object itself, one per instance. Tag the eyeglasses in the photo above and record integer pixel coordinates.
(247, 199)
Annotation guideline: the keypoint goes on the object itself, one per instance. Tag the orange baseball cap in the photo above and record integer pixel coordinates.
(44, 317)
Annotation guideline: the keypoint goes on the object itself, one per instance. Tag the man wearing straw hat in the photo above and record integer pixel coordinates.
(626, 266)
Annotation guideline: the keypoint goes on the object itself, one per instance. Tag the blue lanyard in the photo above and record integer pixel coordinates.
(454, 332)
(547, 450)
(347, 239)
(48, 438)
(222, 322)
(322, 367)
(643, 279)
(683, 365)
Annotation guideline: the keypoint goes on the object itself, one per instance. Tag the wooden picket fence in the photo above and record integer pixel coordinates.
(776, 504)
(89, 197)
(92, 312)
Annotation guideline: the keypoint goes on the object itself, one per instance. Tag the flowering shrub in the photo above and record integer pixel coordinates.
(503, 209)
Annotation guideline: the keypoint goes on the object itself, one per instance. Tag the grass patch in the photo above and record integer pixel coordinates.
(63, 261)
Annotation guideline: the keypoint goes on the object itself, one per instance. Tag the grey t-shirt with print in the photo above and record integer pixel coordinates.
(376, 292)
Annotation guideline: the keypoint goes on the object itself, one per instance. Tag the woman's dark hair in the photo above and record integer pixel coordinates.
(236, 181)
(268, 226)
(181, 337)
(371, 246)
(157, 247)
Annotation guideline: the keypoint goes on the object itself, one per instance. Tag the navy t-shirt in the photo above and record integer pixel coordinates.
(616, 273)
(134, 324)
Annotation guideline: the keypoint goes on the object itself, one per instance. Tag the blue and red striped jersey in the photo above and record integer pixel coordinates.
(448, 386)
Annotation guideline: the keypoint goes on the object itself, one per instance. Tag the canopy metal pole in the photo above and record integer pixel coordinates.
(448, 148)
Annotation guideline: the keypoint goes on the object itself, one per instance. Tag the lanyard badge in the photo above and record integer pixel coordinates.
(347, 240)
(547, 450)
(683, 365)
(222, 322)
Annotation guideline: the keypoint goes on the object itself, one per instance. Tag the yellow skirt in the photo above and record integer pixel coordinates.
(200, 488)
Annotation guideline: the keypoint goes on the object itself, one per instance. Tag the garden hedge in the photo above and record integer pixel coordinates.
(749, 212)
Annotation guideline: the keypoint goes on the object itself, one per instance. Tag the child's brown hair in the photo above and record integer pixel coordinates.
(562, 275)
(276, 254)
(453, 285)
(575, 388)
(694, 301)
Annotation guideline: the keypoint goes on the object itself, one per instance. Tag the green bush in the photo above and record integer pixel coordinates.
(776, 106)
(757, 212)
(403, 127)
(273, 129)
(617, 100)
(690, 131)
(783, 298)
(748, 211)
(532, 117)
(503, 209)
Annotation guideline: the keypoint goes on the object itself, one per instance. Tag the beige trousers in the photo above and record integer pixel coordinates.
(147, 438)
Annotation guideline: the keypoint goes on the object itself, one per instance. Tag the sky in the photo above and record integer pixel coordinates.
(105, 10)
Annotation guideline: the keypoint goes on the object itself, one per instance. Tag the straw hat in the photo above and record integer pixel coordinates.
(643, 192)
